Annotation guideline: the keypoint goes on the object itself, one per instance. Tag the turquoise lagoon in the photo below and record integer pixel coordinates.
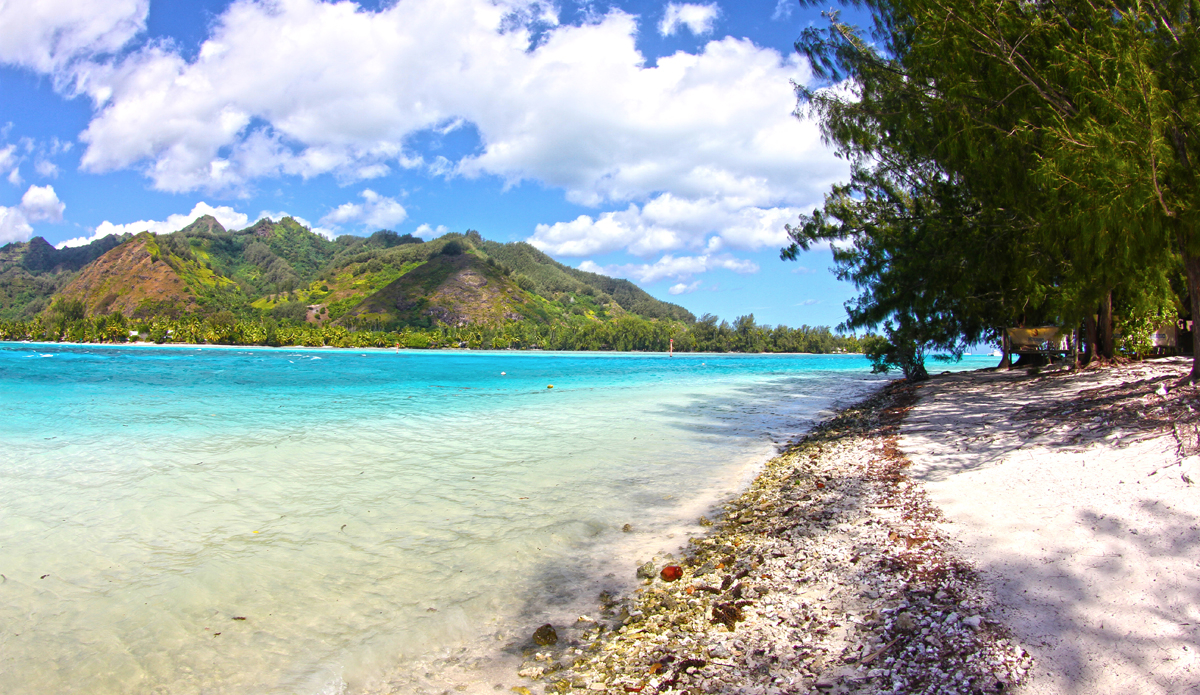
(231, 520)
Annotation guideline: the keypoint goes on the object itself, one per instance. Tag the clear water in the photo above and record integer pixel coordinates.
(383, 522)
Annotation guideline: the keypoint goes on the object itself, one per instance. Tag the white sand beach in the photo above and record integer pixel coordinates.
(984, 532)
(1070, 494)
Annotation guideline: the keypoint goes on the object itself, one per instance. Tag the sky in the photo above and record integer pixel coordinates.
(648, 140)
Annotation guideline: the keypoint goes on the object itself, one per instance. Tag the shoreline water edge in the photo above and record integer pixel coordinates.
(829, 574)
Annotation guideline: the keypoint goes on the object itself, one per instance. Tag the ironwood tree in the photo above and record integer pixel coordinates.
(1069, 127)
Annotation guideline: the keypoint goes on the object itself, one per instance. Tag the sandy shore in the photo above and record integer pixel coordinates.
(829, 574)
(1070, 493)
(984, 532)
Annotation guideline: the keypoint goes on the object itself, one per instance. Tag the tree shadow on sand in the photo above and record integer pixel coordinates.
(974, 420)
(1065, 604)
(1110, 600)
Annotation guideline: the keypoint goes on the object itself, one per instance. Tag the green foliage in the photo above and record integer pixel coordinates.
(1015, 163)
(627, 333)
(290, 311)
(67, 310)
(551, 278)
(897, 349)
(524, 282)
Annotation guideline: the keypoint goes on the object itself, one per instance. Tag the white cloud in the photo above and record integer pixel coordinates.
(682, 288)
(679, 268)
(8, 157)
(783, 9)
(427, 232)
(376, 211)
(14, 226)
(581, 110)
(39, 204)
(47, 35)
(668, 223)
(46, 169)
(697, 18)
(227, 216)
(809, 302)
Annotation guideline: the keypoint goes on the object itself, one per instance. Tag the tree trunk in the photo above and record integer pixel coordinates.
(1106, 327)
(1006, 358)
(1089, 329)
(1191, 265)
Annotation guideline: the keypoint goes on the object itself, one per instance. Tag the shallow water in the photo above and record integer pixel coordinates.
(188, 520)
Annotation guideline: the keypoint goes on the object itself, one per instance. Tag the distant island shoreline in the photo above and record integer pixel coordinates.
(382, 350)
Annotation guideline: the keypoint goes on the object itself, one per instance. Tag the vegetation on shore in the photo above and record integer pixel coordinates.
(1014, 164)
(278, 283)
(629, 333)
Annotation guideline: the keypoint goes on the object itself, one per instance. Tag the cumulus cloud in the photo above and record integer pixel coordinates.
(47, 35)
(580, 110)
(427, 232)
(39, 204)
(697, 18)
(14, 226)
(376, 211)
(227, 216)
(668, 223)
(679, 268)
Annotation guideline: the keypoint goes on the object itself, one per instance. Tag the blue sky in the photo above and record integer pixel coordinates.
(646, 140)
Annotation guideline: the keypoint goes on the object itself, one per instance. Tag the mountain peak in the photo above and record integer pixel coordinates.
(204, 224)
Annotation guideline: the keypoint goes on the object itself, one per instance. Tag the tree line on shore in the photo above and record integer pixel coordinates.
(1014, 164)
(67, 322)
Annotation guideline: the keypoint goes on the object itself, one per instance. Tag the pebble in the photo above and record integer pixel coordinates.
(545, 636)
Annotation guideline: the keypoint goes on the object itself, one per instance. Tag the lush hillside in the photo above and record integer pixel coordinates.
(541, 274)
(283, 271)
(32, 272)
(452, 288)
(147, 276)
(277, 283)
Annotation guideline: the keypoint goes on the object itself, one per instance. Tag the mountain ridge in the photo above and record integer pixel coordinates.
(284, 271)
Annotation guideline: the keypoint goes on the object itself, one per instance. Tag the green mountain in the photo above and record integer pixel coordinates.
(285, 271)
(32, 272)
